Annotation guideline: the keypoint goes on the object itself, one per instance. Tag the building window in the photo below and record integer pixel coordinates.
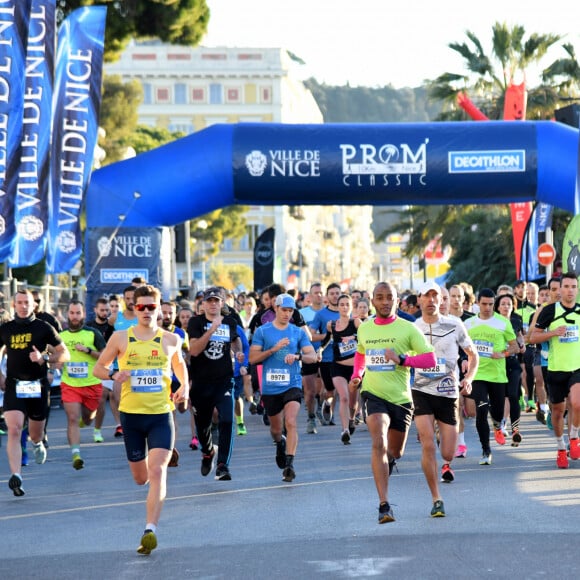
(150, 56)
(162, 95)
(266, 95)
(180, 126)
(198, 95)
(249, 56)
(180, 94)
(233, 95)
(215, 94)
(147, 94)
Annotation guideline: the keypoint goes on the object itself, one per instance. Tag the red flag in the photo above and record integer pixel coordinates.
(514, 109)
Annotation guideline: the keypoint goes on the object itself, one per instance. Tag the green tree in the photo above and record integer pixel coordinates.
(174, 21)
(215, 227)
(488, 76)
(231, 276)
(118, 115)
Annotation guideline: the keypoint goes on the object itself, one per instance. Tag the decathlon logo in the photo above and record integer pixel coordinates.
(487, 161)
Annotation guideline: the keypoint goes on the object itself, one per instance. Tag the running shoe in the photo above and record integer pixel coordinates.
(281, 453)
(504, 428)
(253, 408)
(222, 473)
(549, 421)
(541, 416)
(345, 437)
(242, 429)
(562, 459)
(326, 412)
(77, 461)
(447, 475)
(97, 436)
(39, 453)
(461, 451)
(386, 513)
(522, 403)
(194, 444)
(82, 424)
(15, 484)
(531, 407)
(438, 509)
(208, 462)
(288, 474)
(148, 543)
(499, 436)
(485, 459)
(24, 460)
(392, 465)
(351, 426)
(516, 438)
(311, 426)
(575, 448)
(319, 415)
(119, 434)
(174, 460)
(266, 420)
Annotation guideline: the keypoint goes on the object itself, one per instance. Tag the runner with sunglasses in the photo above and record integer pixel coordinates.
(147, 355)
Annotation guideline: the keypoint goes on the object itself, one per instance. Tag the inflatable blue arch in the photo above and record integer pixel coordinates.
(349, 164)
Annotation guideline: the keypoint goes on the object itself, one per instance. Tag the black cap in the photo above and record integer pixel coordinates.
(212, 293)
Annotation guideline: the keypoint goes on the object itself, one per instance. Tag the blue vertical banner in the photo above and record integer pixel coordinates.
(14, 15)
(31, 203)
(544, 213)
(76, 104)
(530, 267)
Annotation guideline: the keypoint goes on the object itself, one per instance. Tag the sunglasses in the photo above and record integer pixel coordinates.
(143, 307)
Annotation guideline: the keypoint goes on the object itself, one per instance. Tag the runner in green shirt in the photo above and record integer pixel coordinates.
(494, 339)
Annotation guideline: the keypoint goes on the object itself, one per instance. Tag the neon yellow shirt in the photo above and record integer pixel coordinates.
(383, 378)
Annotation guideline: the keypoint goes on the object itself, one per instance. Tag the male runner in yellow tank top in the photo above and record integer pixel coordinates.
(147, 354)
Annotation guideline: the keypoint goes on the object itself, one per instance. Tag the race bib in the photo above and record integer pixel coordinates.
(571, 334)
(77, 370)
(484, 348)
(221, 333)
(28, 389)
(347, 348)
(279, 377)
(147, 380)
(375, 361)
(436, 372)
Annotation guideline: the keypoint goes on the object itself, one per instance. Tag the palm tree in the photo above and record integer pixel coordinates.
(488, 76)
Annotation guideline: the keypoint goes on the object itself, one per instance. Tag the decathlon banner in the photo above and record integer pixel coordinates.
(14, 16)
(31, 205)
(76, 103)
(118, 255)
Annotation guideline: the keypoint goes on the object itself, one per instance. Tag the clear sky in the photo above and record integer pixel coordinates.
(381, 42)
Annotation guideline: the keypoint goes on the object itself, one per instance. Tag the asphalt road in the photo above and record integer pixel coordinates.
(515, 519)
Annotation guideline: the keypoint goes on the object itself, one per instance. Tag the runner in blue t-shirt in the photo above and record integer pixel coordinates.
(319, 328)
(279, 346)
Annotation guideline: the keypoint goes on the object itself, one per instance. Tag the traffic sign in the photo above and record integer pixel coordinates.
(546, 254)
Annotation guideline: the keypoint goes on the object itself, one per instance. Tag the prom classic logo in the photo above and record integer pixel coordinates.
(384, 165)
(284, 163)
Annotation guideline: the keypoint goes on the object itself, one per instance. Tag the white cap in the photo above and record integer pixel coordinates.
(429, 286)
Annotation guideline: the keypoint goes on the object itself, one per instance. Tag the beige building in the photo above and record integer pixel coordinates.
(188, 89)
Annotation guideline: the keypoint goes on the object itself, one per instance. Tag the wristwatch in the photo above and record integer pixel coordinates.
(299, 355)
(45, 357)
(111, 373)
(402, 359)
